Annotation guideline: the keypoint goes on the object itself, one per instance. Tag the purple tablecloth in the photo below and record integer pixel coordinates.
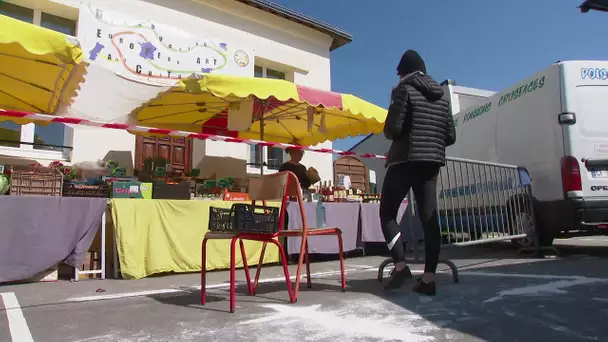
(342, 215)
(370, 223)
(37, 233)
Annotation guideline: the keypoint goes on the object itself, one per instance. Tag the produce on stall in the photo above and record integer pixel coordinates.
(5, 182)
(221, 178)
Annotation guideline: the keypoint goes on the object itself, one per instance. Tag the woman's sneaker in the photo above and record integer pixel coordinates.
(427, 289)
(398, 278)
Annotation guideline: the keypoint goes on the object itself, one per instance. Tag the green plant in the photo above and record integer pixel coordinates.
(152, 162)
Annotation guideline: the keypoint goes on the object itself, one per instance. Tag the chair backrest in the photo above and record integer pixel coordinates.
(274, 187)
(279, 186)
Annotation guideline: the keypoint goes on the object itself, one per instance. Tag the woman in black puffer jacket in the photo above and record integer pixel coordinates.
(420, 125)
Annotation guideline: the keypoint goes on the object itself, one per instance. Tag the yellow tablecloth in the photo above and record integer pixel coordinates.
(158, 236)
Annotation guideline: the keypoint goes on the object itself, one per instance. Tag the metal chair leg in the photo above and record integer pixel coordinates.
(246, 267)
(341, 251)
(259, 269)
(232, 274)
(307, 261)
(204, 272)
(292, 296)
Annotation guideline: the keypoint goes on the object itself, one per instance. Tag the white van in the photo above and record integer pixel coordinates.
(555, 124)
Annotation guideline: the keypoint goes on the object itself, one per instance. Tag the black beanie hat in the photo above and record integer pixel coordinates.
(410, 62)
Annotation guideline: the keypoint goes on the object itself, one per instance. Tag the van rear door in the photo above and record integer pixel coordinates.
(588, 137)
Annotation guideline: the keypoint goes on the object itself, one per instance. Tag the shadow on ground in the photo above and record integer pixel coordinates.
(530, 301)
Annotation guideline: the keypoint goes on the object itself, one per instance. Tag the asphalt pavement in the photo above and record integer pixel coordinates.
(500, 297)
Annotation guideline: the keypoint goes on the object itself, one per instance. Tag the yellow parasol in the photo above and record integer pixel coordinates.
(259, 108)
(40, 69)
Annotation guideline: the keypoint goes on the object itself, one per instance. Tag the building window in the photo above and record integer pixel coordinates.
(255, 156)
(10, 134)
(17, 12)
(59, 24)
(263, 72)
(273, 157)
(31, 140)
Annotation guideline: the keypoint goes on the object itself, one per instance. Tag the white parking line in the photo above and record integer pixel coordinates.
(531, 276)
(20, 332)
(209, 287)
(358, 268)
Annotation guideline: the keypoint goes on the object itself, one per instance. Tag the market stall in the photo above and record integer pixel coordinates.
(39, 232)
(160, 236)
(342, 215)
(160, 231)
(40, 71)
(210, 193)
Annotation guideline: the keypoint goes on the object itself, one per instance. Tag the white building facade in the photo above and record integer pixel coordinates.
(460, 97)
(281, 44)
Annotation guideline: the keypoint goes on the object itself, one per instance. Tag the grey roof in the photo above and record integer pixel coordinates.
(339, 36)
(360, 142)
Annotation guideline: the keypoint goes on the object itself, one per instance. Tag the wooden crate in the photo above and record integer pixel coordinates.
(31, 181)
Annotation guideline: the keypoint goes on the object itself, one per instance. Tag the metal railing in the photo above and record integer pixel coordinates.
(477, 203)
(480, 202)
(42, 146)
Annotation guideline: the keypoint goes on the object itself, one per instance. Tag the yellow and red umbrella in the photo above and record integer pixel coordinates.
(272, 110)
(40, 69)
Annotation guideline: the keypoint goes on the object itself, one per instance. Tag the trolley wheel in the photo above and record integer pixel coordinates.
(381, 268)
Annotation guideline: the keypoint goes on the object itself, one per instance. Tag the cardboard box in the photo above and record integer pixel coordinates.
(131, 190)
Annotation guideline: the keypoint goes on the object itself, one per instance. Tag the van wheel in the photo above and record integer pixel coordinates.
(524, 219)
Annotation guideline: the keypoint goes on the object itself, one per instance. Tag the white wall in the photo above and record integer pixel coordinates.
(92, 143)
(463, 97)
(299, 51)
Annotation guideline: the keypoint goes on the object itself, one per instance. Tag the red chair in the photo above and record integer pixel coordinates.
(279, 186)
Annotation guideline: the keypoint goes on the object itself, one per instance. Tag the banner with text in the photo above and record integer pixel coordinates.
(154, 53)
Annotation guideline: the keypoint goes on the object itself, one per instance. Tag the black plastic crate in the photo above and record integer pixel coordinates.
(86, 190)
(162, 190)
(220, 220)
(248, 218)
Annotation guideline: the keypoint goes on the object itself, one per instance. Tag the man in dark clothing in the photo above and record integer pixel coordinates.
(305, 177)
(420, 125)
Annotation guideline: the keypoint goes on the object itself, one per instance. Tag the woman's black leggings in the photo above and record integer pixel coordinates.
(422, 178)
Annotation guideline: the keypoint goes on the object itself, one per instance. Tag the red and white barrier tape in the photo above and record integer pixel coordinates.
(173, 133)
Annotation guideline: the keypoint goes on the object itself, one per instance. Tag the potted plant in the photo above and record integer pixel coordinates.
(68, 172)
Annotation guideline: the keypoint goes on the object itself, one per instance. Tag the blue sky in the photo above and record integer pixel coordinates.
(478, 43)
